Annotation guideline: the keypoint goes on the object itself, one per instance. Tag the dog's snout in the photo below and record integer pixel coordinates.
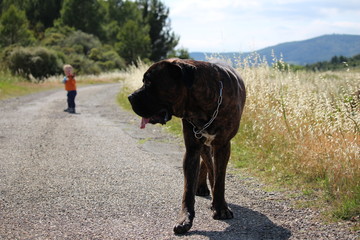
(130, 97)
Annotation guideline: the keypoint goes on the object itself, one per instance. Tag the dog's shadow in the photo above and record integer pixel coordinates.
(247, 224)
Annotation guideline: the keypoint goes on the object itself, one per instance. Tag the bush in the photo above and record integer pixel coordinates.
(38, 62)
(83, 65)
(83, 42)
(84, 51)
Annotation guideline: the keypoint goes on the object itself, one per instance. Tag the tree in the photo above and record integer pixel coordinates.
(181, 53)
(85, 15)
(163, 40)
(118, 13)
(133, 42)
(122, 11)
(42, 13)
(14, 28)
(19, 4)
(335, 60)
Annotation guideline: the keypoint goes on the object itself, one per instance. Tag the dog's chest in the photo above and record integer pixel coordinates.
(208, 138)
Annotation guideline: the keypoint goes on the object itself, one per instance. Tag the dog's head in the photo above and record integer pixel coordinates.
(163, 90)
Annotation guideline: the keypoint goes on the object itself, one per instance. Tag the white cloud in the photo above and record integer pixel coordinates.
(233, 25)
(351, 25)
(328, 12)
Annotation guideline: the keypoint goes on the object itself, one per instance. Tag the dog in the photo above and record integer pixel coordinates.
(209, 98)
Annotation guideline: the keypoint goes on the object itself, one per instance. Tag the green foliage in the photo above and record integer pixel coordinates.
(20, 4)
(84, 51)
(163, 40)
(112, 29)
(85, 15)
(348, 207)
(93, 35)
(336, 63)
(121, 11)
(134, 42)
(84, 42)
(38, 62)
(83, 65)
(42, 13)
(106, 59)
(182, 53)
(14, 28)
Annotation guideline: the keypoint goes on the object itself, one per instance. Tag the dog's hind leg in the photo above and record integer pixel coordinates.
(206, 170)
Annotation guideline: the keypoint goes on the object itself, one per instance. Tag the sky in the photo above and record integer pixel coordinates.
(250, 25)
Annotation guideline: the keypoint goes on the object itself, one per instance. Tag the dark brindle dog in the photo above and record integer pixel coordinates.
(209, 98)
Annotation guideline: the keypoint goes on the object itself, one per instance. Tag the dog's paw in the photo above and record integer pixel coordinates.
(224, 213)
(182, 228)
(202, 191)
(184, 225)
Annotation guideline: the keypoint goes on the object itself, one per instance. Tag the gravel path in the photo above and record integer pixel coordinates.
(96, 175)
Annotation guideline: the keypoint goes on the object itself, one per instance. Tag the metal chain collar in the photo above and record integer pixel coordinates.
(198, 133)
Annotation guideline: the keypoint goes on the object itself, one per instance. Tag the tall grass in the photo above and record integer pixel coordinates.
(298, 128)
(303, 128)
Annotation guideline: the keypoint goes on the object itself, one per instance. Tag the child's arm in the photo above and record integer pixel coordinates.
(64, 80)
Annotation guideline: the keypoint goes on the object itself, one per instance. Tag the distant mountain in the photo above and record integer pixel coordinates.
(309, 51)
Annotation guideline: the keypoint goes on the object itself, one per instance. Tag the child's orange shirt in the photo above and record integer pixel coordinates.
(70, 84)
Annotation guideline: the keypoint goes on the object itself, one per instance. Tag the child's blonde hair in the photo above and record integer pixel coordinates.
(69, 67)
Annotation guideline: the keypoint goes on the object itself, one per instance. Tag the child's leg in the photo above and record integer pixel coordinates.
(68, 99)
(72, 95)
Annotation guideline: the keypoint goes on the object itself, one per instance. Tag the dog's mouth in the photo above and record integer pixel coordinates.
(162, 117)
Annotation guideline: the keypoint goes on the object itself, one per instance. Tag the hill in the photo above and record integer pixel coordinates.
(309, 51)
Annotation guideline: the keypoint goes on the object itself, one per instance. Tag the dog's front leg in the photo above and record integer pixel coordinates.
(191, 167)
(219, 205)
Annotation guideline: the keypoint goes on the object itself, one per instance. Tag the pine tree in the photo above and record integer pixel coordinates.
(14, 28)
(133, 42)
(84, 15)
(42, 13)
(163, 40)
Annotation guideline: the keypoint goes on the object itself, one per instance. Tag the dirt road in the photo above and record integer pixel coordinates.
(96, 175)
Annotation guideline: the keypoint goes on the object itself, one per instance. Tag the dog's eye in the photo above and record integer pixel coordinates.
(147, 82)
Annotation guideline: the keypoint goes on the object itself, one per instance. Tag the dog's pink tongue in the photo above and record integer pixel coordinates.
(144, 121)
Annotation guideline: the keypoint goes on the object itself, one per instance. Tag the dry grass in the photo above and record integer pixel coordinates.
(303, 128)
(108, 77)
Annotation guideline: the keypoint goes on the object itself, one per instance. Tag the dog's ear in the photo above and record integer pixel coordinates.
(185, 72)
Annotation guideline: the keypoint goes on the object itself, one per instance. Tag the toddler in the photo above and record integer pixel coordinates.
(70, 87)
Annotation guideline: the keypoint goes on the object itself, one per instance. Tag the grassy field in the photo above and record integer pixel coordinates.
(12, 86)
(300, 130)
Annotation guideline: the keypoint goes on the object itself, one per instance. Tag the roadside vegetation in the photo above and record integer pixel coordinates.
(37, 37)
(300, 130)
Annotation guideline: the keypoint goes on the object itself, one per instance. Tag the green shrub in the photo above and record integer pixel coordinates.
(83, 65)
(83, 42)
(107, 60)
(38, 62)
